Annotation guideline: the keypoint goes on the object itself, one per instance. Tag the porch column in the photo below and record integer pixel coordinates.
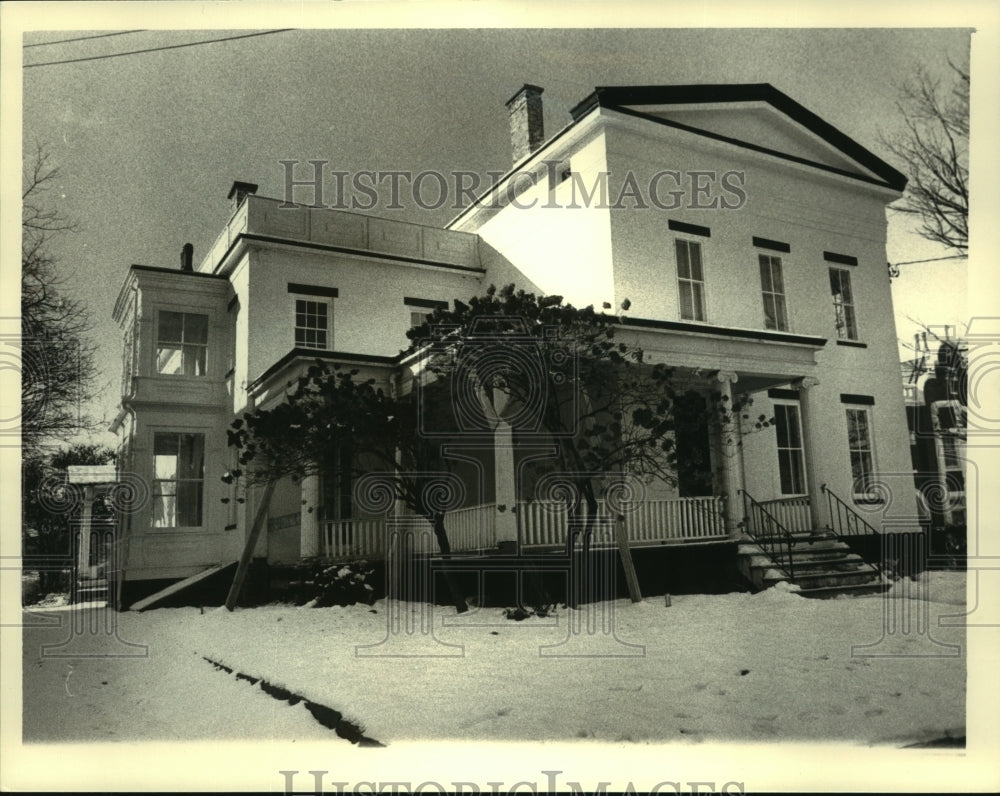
(506, 492)
(309, 520)
(83, 552)
(732, 456)
(810, 436)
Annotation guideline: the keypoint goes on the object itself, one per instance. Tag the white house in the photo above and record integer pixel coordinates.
(747, 233)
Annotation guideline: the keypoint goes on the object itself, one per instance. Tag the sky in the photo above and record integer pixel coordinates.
(148, 145)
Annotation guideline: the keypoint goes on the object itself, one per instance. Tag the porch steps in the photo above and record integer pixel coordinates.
(821, 566)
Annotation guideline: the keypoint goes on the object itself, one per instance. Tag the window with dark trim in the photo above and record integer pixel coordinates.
(791, 467)
(312, 323)
(843, 304)
(859, 444)
(690, 279)
(773, 288)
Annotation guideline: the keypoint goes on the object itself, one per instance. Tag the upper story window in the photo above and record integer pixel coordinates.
(772, 286)
(690, 279)
(313, 315)
(843, 304)
(178, 479)
(312, 323)
(181, 343)
(421, 309)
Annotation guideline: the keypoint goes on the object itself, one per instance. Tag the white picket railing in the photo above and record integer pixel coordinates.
(792, 513)
(542, 524)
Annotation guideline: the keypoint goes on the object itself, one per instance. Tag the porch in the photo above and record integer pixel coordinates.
(545, 525)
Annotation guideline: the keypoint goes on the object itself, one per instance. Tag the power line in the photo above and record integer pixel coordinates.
(83, 38)
(933, 260)
(157, 49)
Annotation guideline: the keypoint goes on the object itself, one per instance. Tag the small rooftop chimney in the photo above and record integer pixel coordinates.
(527, 130)
(239, 192)
(187, 257)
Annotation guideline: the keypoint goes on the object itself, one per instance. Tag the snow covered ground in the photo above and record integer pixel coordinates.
(738, 667)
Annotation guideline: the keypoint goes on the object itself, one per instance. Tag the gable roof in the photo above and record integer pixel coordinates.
(627, 98)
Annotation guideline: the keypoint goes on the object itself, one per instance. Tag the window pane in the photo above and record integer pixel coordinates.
(776, 278)
(779, 313)
(765, 273)
(192, 456)
(792, 416)
(699, 301)
(195, 328)
(683, 267)
(845, 287)
(171, 327)
(169, 360)
(189, 503)
(164, 505)
(781, 424)
(770, 313)
(695, 252)
(687, 301)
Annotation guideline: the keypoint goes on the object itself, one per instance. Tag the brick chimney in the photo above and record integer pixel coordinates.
(239, 192)
(187, 257)
(527, 130)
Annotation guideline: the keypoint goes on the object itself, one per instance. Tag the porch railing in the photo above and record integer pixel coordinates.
(772, 537)
(542, 524)
(792, 513)
(845, 521)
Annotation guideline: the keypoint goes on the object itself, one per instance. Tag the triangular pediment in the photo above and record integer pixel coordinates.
(761, 126)
(754, 115)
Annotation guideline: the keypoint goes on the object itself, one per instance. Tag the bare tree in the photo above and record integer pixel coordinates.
(57, 367)
(934, 150)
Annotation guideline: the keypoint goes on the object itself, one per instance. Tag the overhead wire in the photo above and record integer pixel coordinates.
(158, 49)
(83, 38)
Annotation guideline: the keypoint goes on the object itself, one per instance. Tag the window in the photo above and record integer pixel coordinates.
(181, 344)
(178, 480)
(859, 443)
(843, 304)
(790, 460)
(420, 309)
(690, 280)
(773, 286)
(312, 323)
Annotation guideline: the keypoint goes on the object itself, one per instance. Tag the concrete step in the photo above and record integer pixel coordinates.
(816, 580)
(860, 589)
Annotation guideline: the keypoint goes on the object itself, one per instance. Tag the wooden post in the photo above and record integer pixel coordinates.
(244, 565)
(627, 563)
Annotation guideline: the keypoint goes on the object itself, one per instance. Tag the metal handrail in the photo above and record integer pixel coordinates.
(847, 518)
(767, 532)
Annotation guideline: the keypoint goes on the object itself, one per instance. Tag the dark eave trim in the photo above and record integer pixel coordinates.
(177, 271)
(852, 343)
(313, 290)
(786, 395)
(430, 304)
(843, 259)
(608, 96)
(690, 229)
(851, 398)
(249, 236)
(726, 331)
(309, 353)
(773, 245)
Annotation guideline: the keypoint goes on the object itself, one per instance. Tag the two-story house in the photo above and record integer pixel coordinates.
(747, 233)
